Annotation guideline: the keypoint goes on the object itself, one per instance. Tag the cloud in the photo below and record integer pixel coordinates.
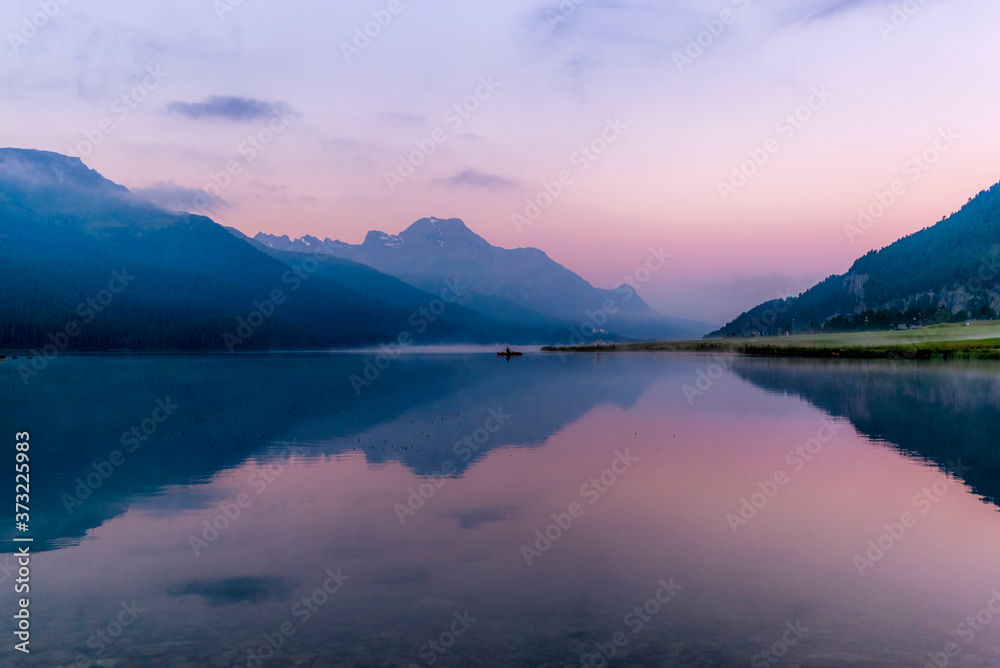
(831, 7)
(477, 179)
(575, 39)
(270, 193)
(578, 39)
(824, 9)
(402, 118)
(179, 198)
(343, 144)
(230, 108)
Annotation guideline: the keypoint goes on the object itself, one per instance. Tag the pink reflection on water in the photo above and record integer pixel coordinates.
(664, 516)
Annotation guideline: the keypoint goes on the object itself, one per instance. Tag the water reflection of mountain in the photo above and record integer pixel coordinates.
(230, 409)
(946, 413)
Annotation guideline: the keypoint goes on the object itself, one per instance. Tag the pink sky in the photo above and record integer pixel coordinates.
(556, 84)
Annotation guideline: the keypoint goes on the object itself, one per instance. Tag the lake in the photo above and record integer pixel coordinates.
(463, 510)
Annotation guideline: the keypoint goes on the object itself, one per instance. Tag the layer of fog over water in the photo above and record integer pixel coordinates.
(830, 514)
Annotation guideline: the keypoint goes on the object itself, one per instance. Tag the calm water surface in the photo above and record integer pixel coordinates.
(464, 510)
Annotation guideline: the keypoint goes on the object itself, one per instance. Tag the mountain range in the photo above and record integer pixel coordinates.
(87, 265)
(521, 285)
(948, 272)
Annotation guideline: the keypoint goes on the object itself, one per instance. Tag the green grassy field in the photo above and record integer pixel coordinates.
(978, 340)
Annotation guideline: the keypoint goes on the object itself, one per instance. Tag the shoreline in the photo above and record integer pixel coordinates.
(941, 342)
(809, 352)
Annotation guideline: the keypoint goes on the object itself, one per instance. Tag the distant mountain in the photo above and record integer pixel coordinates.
(87, 265)
(390, 290)
(948, 272)
(521, 286)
